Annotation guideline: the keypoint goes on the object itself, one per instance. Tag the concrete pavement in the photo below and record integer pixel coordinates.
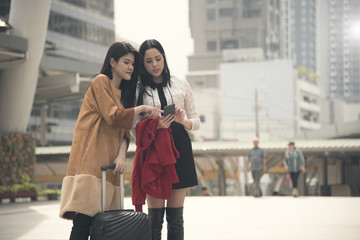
(226, 218)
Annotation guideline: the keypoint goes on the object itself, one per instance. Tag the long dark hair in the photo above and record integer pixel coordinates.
(128, 88)
(146, 78)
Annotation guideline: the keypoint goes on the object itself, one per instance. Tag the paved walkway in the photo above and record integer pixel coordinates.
(225, 218)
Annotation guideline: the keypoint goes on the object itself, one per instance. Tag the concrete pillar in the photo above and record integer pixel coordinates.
(325, 178)
(29, 19)
(243, 174)
(221, 177)
(43, 126)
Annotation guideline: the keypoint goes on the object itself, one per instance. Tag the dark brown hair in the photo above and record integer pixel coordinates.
(128, 88)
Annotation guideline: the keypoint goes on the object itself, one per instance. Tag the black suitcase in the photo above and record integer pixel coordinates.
(119, 224)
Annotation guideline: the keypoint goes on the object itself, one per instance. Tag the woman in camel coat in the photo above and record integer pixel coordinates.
(101, 137)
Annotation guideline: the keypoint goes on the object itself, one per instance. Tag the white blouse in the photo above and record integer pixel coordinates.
(179, 93)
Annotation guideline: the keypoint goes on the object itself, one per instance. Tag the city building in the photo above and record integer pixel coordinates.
(307, 105)
(78, 36)
(344, 47)
(303, 33)
(221, 25)
(232, 24)
(287, 101)
(251, 88)
(338, 54)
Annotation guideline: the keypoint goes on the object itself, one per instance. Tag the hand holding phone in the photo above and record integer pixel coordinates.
(169, 109)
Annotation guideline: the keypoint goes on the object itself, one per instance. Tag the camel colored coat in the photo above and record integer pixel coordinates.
(101, 127)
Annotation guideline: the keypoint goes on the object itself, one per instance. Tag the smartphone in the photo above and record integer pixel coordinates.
(169, 109)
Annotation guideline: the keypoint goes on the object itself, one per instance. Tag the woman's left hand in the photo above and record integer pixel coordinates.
(178, 116)
(120, 165)
(303, 169)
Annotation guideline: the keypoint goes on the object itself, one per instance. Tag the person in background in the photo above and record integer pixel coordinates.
(158, 88)
(205, 191)
(101, 137)
(295, 164)
(257, 160)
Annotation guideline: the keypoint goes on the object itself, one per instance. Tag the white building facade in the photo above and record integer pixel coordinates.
(286, 104)
(307, 105)
(274, 83)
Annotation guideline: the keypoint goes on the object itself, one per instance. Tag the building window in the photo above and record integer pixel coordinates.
(103, 7)
(210, 1)
(211, 14)
(252, 3)
(211, 46)
(229, 44)
(252, 13)
(226, 12)
(79, 29)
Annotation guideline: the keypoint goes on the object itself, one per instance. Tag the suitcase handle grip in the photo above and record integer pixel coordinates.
(108, 166)
(103, 187)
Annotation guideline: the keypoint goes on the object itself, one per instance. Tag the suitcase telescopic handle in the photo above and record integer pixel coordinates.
(103, 187)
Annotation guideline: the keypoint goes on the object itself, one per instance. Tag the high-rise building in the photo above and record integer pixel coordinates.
(286, 16)
(322, 45)
(303, 33)
(232, 24)
(300, 18)
(338, 59)
(344, 80)
(225, 25)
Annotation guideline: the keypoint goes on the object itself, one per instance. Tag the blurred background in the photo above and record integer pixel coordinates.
(277, 69)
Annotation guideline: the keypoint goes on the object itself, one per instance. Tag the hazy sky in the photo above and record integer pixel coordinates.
(165, 20)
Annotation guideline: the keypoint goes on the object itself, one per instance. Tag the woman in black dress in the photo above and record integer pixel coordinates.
(158, 88)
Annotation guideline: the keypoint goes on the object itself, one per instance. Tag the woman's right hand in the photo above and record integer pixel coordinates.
(152, 112)
(165, 122)
(286, 168)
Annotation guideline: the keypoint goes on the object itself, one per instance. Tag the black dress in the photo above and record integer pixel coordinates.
(185, 165)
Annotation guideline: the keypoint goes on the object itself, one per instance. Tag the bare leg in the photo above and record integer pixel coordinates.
(155, 202)
(177, 198)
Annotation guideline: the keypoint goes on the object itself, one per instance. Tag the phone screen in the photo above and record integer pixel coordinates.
(169, 109)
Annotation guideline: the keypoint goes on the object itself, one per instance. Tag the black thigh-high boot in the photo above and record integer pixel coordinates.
(156, 216)
(81, 227)
(175, 220)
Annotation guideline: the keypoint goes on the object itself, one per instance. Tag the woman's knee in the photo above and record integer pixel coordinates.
(154, 202)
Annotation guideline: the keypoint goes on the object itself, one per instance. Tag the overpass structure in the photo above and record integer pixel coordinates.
(331, 164)
(49, 49)
(20, 55)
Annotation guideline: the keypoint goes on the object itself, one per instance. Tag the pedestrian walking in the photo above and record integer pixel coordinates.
(256, 161)
(295, 164)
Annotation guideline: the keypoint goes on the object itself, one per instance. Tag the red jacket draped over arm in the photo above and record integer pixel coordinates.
(154, 164)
